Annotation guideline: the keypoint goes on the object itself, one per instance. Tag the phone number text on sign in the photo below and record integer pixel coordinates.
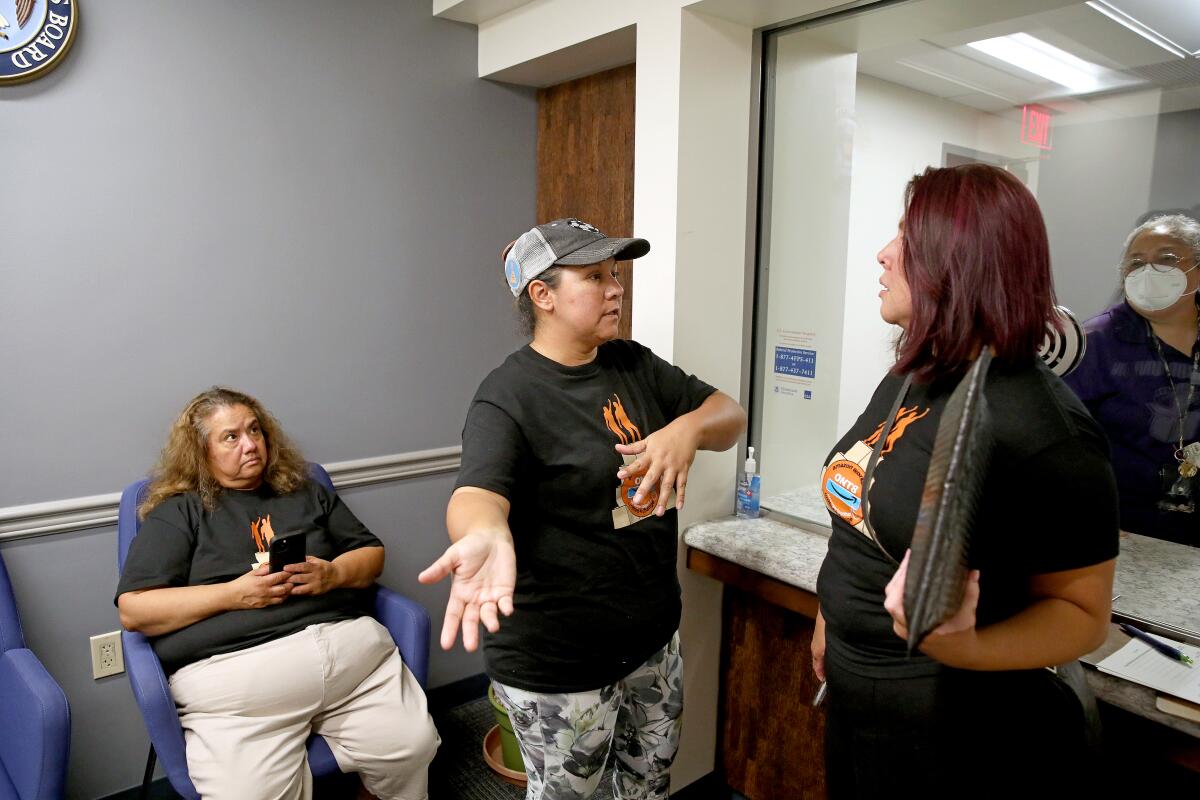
(796, 362)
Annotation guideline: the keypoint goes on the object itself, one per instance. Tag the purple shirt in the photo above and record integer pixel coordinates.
(1124, 385)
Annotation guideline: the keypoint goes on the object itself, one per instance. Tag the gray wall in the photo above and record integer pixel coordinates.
(304, 200)
(1096, 183)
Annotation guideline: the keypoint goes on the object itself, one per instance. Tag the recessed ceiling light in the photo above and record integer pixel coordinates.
(1138, 27)
(1042, 58)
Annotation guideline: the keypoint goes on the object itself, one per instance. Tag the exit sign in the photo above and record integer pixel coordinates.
(1035, 126)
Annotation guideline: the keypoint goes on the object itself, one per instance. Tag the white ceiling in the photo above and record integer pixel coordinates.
(1178, 20)
(923, 45)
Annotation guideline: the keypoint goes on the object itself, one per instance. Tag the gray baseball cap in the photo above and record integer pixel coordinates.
(565, 242)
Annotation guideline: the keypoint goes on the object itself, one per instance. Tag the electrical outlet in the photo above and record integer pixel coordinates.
(107, 658)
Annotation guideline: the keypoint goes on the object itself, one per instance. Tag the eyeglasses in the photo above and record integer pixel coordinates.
(1163, 263)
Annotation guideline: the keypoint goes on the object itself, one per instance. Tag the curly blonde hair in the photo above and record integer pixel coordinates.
(183, 464)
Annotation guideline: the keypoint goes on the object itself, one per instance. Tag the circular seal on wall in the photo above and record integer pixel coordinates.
(34, 36)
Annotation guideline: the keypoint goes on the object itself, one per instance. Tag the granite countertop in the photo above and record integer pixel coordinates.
(1156, 580)
(768, 546)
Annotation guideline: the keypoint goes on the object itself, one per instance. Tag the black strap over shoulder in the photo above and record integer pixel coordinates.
(875, 453)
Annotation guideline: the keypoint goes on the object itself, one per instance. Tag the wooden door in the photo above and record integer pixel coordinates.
(585, 159)
(773, 740)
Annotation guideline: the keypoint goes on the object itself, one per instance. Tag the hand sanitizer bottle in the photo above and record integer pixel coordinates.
(748, 489)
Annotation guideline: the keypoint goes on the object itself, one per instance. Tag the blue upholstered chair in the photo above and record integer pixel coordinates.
(407, 621)
(35, 737)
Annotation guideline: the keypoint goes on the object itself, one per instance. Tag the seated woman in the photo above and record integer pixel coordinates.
(257, 660)
(1139, 378)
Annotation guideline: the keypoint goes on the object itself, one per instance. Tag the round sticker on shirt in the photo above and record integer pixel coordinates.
(841, 486)
(629, 488)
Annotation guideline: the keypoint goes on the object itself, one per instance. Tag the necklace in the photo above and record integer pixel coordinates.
(1186, 468)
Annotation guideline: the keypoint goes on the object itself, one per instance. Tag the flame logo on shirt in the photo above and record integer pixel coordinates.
(262, 533)
(843, 477)
(906, 417)
(619, 423)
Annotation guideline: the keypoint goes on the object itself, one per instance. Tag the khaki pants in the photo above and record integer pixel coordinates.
(246, 715)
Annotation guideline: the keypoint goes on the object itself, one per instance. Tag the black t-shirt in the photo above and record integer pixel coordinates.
(181, 544)
(1049, 504)
(593, 601)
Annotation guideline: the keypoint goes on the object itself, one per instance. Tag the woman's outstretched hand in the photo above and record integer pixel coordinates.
(484, 569)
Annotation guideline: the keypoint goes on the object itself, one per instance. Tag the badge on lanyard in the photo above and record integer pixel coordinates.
(627, 512)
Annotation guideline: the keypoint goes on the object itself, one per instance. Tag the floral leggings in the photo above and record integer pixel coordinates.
(566, 738)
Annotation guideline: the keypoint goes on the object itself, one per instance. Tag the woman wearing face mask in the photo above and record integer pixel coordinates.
(1139, 379)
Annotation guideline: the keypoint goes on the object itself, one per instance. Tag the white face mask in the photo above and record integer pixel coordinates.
(1155, 287)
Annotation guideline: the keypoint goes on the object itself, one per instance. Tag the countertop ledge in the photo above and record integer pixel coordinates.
(769, 546)
(792, 552)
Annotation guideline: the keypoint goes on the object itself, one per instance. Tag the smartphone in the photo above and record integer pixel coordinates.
(287, 549)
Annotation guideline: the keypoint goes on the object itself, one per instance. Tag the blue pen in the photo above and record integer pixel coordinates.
(1170, 652)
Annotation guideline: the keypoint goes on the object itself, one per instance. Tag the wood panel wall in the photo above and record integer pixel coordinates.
(773, 740)
(585, 159)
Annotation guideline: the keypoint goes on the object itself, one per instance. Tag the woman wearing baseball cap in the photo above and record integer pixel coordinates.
(575, 459)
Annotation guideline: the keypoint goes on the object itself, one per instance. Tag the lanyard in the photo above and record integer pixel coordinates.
(869, 474)
(1182, 410)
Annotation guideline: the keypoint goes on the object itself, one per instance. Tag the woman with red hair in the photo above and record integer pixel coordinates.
(969, 269)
